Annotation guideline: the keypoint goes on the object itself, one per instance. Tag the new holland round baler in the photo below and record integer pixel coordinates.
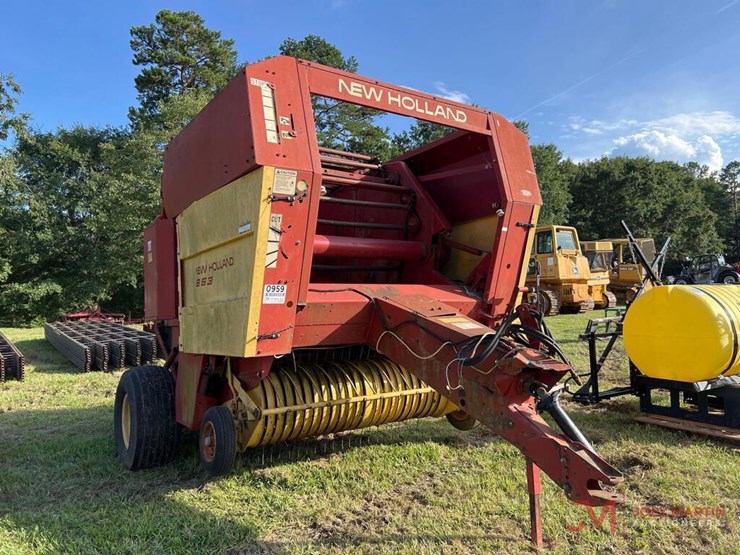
(300, 290)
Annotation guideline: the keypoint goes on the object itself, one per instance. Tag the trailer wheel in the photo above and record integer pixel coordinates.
(217, 441)
(461, 420)
(144, 426)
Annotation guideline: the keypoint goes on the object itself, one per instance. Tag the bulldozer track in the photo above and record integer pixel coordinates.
(553, 302)
(548, 303)
(586, 306)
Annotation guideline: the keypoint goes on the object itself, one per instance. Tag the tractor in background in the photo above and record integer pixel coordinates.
(627, 275)
(600, 255)
(566, 283)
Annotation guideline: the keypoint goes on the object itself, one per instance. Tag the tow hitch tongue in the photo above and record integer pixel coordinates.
(505, 386)
(549, 402)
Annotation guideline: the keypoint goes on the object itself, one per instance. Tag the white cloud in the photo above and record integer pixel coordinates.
(454, 95)
(663, 146)
(592, 131)
(683, 137)
(716, 123)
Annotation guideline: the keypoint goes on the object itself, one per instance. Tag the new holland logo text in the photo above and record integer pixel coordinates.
(205, 271)
(410, 103)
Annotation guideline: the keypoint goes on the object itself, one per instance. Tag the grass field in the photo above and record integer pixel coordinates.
(417, 487)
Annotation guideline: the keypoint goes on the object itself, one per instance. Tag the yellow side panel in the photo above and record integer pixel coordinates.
(187, 390)
(222, 246)
(479, 234)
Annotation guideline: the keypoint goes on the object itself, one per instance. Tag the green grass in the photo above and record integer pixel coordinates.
(417, 487)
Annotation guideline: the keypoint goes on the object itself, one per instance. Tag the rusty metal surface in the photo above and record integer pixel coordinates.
(495, 391)
(73, 350)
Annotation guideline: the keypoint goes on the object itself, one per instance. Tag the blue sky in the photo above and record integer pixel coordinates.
(594, 77)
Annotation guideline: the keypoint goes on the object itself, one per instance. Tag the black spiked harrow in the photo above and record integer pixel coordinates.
(12, 363)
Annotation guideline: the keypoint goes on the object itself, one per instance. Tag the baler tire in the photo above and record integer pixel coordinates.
(461, 420)
(144, 427)
(218, 427)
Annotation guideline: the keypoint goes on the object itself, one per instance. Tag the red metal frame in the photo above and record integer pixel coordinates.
(94, 315)
(362, 250)
(226, 141)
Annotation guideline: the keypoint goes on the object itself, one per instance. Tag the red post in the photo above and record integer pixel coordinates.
(534, 487)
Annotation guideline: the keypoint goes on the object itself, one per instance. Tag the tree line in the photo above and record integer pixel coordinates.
(74, 201)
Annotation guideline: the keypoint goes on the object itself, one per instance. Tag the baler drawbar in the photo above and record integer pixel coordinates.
(299, 290)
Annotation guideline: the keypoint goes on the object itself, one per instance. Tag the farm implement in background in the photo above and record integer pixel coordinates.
(682, 344)
(94, 314)
(12, 363)
(101, 345)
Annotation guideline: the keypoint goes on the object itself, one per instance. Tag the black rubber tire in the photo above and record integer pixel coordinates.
(729, 278)
(223, 430)
(153, 431)
(681, 281)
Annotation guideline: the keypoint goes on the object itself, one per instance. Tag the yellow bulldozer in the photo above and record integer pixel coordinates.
(627, 274)
(566, 281)
(600, 256)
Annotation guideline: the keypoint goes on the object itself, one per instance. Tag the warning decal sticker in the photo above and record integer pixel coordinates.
(284, 182)
(461, 322)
